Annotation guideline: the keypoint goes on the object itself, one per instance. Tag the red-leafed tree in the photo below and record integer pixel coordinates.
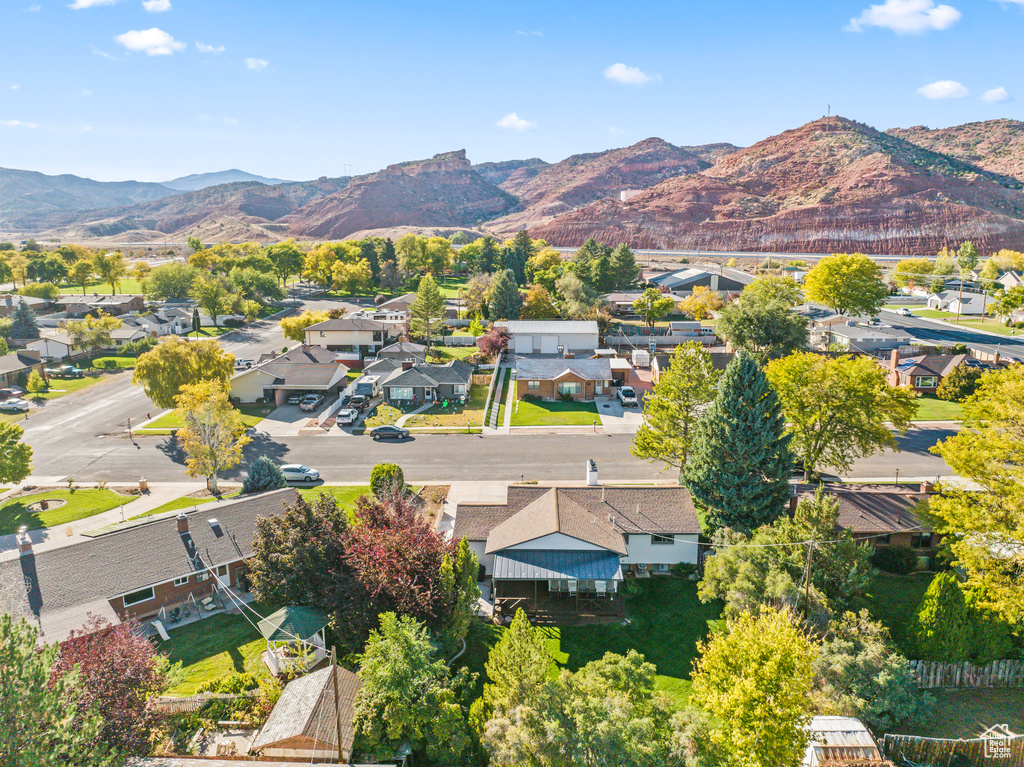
(119, 671)
(495, 342)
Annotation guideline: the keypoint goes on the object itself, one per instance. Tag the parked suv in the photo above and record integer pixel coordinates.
(628, 397)
(347, 416)
(311, 402)
(358, 402)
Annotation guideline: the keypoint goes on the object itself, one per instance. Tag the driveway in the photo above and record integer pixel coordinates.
(285, 421)
(619, 420)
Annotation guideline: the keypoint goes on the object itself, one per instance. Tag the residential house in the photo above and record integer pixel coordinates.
(820, 321)
(583, 379)
(136, 571)
(1011, 280)
(406, 381)
(867, 338)
(10, 301)
(164, 323)
(661, 362)
(353, 338)
(115, 305)
(923, 373)
(621, 304)
(549, 542)
(728, 282)
(304, 369)
(837, 740)
(19, 365)
(404, 351)
(308, 719)
(128, 333)
(551, 336)
(55, 346)
(959, 303)
(398, 303)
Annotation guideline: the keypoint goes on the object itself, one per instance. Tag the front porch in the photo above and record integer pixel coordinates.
(560, 607)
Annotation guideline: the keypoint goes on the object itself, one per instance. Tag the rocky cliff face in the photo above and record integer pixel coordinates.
(826, 186)
(995, 145)
(500, 172)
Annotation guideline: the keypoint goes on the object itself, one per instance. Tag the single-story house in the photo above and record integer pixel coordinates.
(662, 362)
(404, 351)
(352, 337)
(922, 373)
(840, 740)
(551, 336)
(866, 338)
(1011, 280)
(622, 303)
(55, 346)
(163, 323)
(17, 364)
(128, 333)
(405, 381)
(549, 541)
(307, 719)
(584, 379)
(728, 282)
(10, 301)
(304, 369)
(136, 571)
(115, 305)
(954, 301)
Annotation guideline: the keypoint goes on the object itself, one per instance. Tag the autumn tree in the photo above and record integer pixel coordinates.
(755, 680)
(175, 363)
(353, 277)
(111, 267)
(679, 400)
(651, 306)
(765, 329)
(849, 284)
(294, 328)
(92, 333)
(769, 289)
(214, 293)
(538, 304)
(36, 384)
(495, 342)
(81, 273)
(476, 295)
(1005, 302)
(838, 409)
(213, 434)
(911, 272)
(15, 455)
(427, 311)
(139, 270)
(701, 303)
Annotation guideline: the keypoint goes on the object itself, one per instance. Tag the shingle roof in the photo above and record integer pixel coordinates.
(307, 708)
(530, 327)
(382, 367)
(349, 323)
(930, 364)
(292, 621)
(550, 369)
(554, 513)
(64, 583)
(885, 510)
(15, 361)
(453, 372)
(308, 353)
(403, 346)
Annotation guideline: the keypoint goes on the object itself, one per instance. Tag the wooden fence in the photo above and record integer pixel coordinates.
(166, 706)
(1000, 673)
(907, 750)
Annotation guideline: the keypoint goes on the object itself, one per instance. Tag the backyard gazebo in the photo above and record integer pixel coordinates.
(295, 638)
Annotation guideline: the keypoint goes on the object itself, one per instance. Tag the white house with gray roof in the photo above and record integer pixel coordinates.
(954, 301)
(551, 336)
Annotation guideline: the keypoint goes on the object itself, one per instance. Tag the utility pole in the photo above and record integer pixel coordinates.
(807, 580)
(337, 703)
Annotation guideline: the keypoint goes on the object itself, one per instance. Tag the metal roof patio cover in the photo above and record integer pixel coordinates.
(542, 564)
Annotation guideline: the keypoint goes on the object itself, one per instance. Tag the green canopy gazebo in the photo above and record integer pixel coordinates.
(295, 638)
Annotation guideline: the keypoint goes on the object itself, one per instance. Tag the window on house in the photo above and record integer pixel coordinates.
(459, 389)
(882, 540)
(921, 540)
(401, 392)
(181, 581)
(927, 382)
(222, 570)
(533, 384)
(142, 595)
(663, 539)
(569, 387)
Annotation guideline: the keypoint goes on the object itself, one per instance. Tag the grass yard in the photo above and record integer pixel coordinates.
(251, 415)
(11, 417)
(345, 495)
(470, 415)
(966, 713)
(211, 332)
(60, 387)
(666, 622)
(185, 502)
(110, 361)
(216, 647)
(82, 503)
(127, 286)
(502, 399)
(894, 599)
(450, 286)
(382, 415)
(444, 353)
(555, 414)
(968, 321)
(931, 408)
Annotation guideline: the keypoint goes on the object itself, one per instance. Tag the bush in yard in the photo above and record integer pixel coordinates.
(960, 384)
(231, 684)
(36, 383)
(386, 480)
(901, 560)
(941, 629)
(233, 322)
(532, 398)
(263, 475)
(565, 397)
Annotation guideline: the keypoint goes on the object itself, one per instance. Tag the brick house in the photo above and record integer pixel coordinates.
(115, 305)
(134, 572)
(16, 364)
(551, 378)
(924, 372)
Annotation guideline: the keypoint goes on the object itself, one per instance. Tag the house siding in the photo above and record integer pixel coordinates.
(168, 594)
(549, 389)
(559, 542)
(248, 387)
(640, 550)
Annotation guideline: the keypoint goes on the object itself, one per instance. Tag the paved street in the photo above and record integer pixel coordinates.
(930, 330)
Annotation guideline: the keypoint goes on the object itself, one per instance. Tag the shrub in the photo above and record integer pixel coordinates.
(233, 322)
(386, 479)
(565, 397)
(941, 629)
(960, 384)
(895, 559)
(684, 569)
(263, 475)
(45, 290)
(532, 398)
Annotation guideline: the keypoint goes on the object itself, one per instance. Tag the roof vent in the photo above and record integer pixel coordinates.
(215, 526)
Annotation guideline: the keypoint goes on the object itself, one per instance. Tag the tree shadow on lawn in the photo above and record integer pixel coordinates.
(17, 514)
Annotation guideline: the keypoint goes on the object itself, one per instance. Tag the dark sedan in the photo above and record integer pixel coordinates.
(389, 432)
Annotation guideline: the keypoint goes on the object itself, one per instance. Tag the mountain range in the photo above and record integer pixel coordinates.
(829, 185)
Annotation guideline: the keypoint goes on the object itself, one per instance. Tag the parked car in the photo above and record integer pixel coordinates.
(358, 402)
(390, 432)
(874, 322)
(14, 406)
(348, 416)
(11, 393)
(296, 472)
(904, 312)
(295, 399)
(311, 402)
(628, 397)
(243, 364)
(64, 371)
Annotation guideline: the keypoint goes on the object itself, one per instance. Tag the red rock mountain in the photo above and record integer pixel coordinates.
(995, 145)
(500, 172)
(827, 186)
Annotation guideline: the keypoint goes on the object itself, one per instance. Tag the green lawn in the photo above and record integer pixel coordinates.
(251, 415)
(382, 415)
(212, 332)
(555, 414)
(80, 504)
(471, 414)
(931, 408)
(449, 286)
(666, 622)
(894, 599)
(11, 417)
(502, 399)
(185, 502)
(60, 387)
(444, 353)
(969, 712)
(105, 362)
(128, 285)
(968, 321)
(345, 495)
(216, 647)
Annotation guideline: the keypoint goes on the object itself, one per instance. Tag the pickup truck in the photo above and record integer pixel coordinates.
(64, 371)
(628, 397)
(311, 402)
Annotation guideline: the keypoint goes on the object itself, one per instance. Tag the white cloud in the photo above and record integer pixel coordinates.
(34, 8)
(97, 52)
(534, 33)
(906, 17)
(615, 131)
(79, 4)
(156, 6)
(226, 120)
(85, 93)
(515, 122)
(152, 42)
(204, 48)
(996, 94)
(943, 89)
(629, 75)
(15, 87)
(257, 65)
(18, 124)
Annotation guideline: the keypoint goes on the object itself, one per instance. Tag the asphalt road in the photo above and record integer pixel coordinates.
(930, 330)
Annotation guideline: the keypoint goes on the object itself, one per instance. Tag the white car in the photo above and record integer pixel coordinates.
(347, 416)
(14, 406)
(296, 472)
(243, 364)
(628, 397)
(904, 312)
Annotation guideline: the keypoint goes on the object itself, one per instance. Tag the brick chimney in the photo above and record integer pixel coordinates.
(894, 360)
(406, 364)
(182, 523)
(24, 542)
(927, 487)
(995, 358)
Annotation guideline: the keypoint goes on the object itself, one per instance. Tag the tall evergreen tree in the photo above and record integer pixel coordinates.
(506, 301)
(25, 323)
(602, 273)
(740, 461)
(523, 249)
(368, 249)
(427, 310)
(941, 629)
(489, 256)
(625, 267)
(517, 667)
(584, 258)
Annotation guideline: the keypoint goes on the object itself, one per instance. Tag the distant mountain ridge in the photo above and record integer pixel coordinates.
(199, 181)
(995, 145)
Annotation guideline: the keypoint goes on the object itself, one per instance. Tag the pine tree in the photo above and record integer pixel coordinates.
(942, 628)
(602, 273)
(427, 309)
(489, 256)
(506, 302)
(523, 249)
(517, 667)
(25, 324)
(740, 461)
(263, 475)
(625, 267)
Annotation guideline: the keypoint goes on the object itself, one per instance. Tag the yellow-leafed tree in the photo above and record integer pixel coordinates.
(213, 434)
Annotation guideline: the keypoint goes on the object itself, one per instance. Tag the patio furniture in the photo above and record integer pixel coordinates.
(208, 604)
(175, 615)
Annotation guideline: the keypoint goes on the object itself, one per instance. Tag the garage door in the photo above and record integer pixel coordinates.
(524, 344)
(549, 344)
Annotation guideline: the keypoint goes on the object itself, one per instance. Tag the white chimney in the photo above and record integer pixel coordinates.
(24, 542)
(592, 473)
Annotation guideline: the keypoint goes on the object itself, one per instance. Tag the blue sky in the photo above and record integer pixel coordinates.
(154, 89)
